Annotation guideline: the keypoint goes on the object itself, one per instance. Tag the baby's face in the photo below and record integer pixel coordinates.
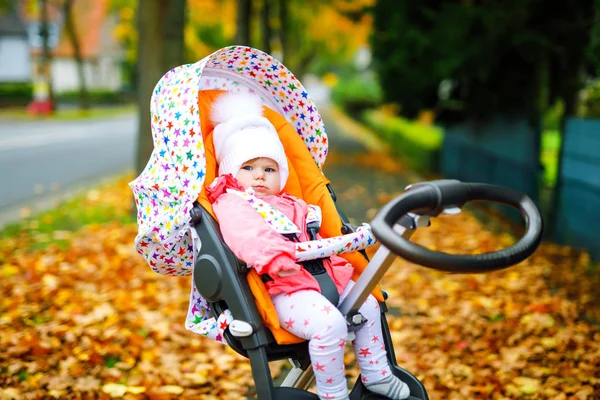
(261, 174)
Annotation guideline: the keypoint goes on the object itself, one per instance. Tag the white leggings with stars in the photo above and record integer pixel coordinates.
(309, 315)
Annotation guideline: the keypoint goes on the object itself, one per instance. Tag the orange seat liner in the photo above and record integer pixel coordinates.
(305, 181)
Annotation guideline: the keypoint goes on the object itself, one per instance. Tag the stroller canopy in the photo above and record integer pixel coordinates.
(175, 173)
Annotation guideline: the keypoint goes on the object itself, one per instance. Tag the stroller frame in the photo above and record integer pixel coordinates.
(222, 282)
(168, 189)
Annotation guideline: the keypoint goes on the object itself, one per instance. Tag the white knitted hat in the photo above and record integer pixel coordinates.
(242, 133)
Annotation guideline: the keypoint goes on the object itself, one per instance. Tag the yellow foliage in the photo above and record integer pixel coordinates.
(213, 13)
(198, 48)
(337, 32)
(426, 117)
(324, 24)
(389, 109)
(330, 79)
(127, 14)
(122, 31)
(94, 318)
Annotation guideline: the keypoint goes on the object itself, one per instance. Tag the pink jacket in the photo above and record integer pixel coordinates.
(252, 240)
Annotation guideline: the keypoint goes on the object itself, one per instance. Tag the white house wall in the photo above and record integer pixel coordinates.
(15, 61)
(101, 74)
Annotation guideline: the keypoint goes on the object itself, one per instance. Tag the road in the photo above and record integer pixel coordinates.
(43, 159)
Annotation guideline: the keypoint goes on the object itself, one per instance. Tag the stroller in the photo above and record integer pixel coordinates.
(178, 234)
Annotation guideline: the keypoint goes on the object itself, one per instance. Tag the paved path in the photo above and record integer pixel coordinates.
(354, 167)
(39, 160)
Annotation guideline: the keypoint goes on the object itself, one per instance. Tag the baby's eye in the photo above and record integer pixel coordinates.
(269, 169)
(247, 167)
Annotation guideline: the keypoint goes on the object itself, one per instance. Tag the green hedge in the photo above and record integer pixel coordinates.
(417, 144)
(21, 94)
(551, 142)
(97, 97)
(357, 94)
(15, 94)
(589, 106)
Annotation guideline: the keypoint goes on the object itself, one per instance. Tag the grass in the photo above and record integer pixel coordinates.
(72, 114)
(95, 206)
(549, 155)
(417, 143)
(69, 114)
(429, 137)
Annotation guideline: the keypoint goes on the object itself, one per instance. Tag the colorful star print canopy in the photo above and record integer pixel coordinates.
(173, 178)
(246, 69)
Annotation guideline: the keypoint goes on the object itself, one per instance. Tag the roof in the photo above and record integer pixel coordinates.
(90, 17)
(11, 24)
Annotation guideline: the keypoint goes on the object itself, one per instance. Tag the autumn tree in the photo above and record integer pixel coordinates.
(160, 48)
(125, 32)
(299, 32)
(71, 31)
(45, 65)
(328, 32)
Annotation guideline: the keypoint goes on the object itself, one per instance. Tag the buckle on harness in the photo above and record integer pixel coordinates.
(312, 228)
(318, 271)
(314, 267)
(355, 321)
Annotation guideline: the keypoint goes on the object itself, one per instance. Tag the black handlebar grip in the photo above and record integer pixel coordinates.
(431, 198)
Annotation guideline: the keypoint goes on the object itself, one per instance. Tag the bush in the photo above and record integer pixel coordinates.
(417, 144)
(590, 100)
(15, 94)
(357, 94)
(97, 97)
(552, 117)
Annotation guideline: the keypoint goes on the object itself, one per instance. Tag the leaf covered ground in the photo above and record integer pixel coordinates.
(82, 316)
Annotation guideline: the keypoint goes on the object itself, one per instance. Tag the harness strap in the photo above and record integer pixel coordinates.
(285, 227)
(326, 284)
(317, 270)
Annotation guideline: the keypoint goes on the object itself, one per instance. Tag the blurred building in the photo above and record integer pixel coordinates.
(15, 58)
(100, 51)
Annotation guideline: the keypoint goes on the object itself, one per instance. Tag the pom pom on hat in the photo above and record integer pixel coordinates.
(231, 105)
(241, 134)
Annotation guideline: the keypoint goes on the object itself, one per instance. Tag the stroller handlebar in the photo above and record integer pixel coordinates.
(432, 198)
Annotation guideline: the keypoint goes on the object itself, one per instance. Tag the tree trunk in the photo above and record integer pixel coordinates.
(283, 28)
(46, 62)
(173, 27)
(244, 13)
(160, 48)
(266, 26)
(304, 62)
(84, 103)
